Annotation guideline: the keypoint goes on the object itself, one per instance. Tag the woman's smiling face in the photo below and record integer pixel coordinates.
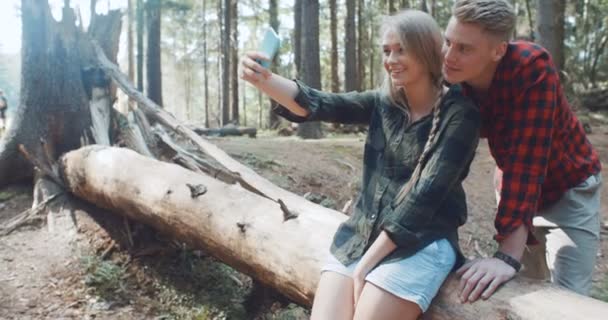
(402, 67)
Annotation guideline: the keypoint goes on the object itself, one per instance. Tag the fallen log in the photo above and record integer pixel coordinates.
(250, 233)
(227, 131)
(595, 100)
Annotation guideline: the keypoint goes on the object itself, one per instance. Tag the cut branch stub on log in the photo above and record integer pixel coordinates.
(248, 232)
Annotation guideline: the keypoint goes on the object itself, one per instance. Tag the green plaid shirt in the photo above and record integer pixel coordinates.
(436, 206)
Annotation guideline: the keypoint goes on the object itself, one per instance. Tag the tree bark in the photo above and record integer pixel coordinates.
(297, 37)
(140, 45)
(225, 35)
(234, 53)
(361, 44)
(335, 79)
(350, 48)
(311, 66)
(131, 63)
(530, 22)
(423, 6)
(391, 6)
(153, 58)
(550, 24)
(205, 64)
(55, 91)
(257, 239)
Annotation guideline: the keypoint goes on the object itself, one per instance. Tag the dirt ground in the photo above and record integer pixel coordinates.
(67, 270)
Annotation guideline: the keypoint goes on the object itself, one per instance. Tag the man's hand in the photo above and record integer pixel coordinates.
(482, 277)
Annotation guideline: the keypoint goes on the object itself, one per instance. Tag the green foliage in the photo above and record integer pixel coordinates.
(105, 277)
(4, 195)
(192, 287)
(585, 41)
(600, 292)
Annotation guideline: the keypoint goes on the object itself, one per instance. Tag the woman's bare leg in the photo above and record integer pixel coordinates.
(376, 303)
(334, 298)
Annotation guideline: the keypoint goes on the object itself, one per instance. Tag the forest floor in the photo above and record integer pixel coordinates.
(79, 272)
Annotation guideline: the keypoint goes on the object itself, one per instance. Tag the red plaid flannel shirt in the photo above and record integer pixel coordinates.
(533, 135)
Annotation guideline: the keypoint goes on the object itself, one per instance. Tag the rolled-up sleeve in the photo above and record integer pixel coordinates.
(348, 108)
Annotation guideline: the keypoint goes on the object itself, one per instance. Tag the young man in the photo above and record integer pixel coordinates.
(549, 172)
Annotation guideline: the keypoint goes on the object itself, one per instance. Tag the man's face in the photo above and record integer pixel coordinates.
(467, 52)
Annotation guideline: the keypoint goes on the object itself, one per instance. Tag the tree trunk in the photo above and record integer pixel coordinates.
(335, 79)
(361, 43)
(550, 23)
(220, 67)
(391, 7)
(153, 58)
(599, 51)
(423, 6)
(372, 61)
(297, 37)
(350, 47)
(55, 89)
(225, 35)
(273, 12)
(244, 100)
(311, 66)
(140, 45)
(130, 40)
(191, 207)
(234, 52)
(205, 64)
(530, 22)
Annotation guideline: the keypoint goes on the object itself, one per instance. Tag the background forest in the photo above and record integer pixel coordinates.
(184, 53)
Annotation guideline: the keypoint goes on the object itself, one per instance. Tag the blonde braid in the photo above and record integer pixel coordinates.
(427, 148)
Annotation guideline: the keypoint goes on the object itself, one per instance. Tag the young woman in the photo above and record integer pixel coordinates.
(390, 257)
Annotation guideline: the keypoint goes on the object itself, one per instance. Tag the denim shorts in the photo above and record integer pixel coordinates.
(416, 278)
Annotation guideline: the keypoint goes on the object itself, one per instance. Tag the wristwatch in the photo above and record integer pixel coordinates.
(508, 260)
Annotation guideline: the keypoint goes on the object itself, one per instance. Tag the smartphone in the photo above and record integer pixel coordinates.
(269, 46)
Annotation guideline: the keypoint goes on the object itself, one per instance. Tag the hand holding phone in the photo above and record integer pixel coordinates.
(269, 46)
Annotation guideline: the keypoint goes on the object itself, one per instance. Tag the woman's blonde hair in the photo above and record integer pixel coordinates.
(421, 37)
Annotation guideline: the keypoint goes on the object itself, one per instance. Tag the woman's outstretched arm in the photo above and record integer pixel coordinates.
(281, 89)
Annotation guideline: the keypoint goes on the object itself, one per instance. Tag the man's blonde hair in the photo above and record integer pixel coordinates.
(496, 17)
